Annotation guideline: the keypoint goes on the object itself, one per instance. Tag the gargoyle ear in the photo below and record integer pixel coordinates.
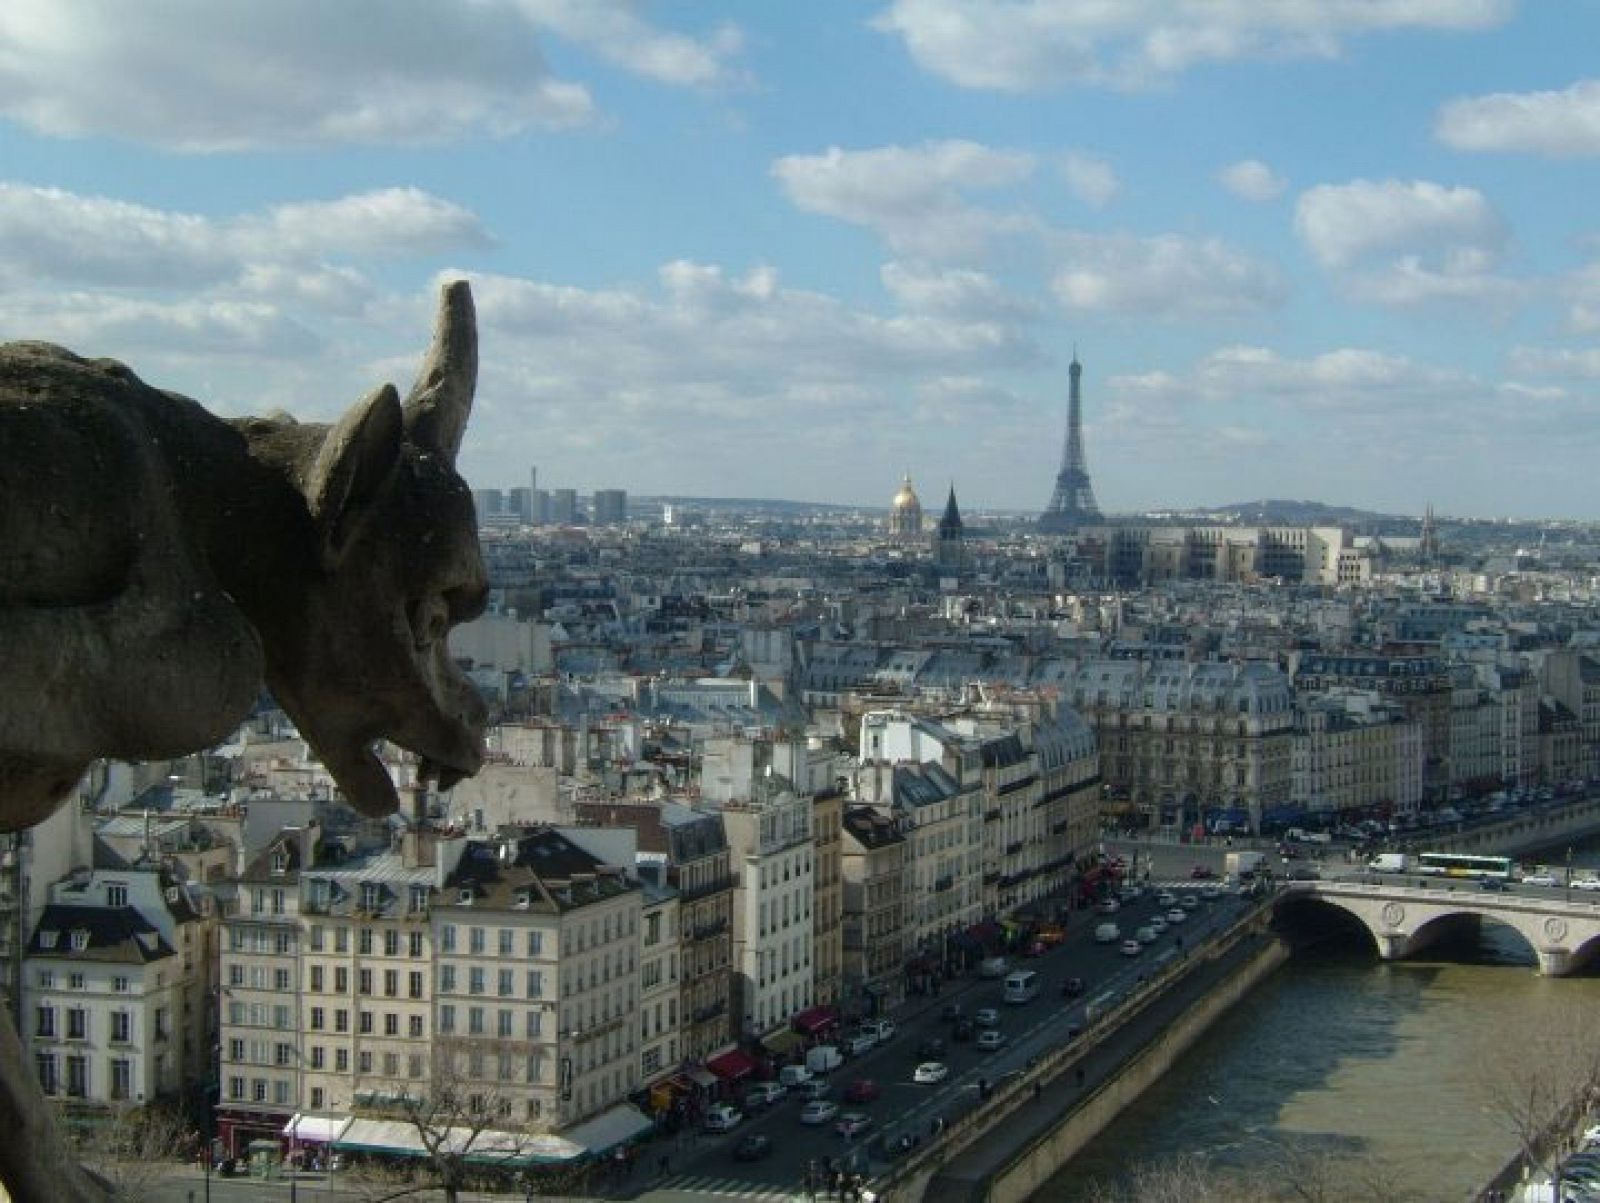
(441, 400)
(352, 470)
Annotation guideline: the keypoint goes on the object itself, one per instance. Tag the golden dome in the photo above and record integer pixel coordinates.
(906, 498)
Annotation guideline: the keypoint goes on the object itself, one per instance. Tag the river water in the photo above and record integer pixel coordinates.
(1379, 1066)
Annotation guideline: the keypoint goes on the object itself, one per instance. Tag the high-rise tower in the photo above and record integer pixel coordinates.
(1072, 504)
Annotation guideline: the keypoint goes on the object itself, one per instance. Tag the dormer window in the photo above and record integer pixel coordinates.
(370, 897)
(47, 939)
(80, 940)
(419, 899)
(466, 895)
(280, 861)
(116, 894)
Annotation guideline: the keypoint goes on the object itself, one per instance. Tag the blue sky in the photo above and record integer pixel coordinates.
(1343, 250)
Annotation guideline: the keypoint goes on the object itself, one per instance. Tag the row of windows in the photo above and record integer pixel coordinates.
(414, 945)
(505, 981)
(367, 1022)
(79, 1024)
(77, 981)
(364, 980)
(75, 1082)
(477, 940)
(505, 1022)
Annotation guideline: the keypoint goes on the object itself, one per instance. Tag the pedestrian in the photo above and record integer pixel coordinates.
(663, 1165)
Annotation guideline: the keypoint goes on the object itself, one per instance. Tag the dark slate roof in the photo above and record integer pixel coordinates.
(118, 934)
(871, 827)
(544, 872)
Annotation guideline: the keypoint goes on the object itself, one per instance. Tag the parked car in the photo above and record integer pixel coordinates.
(818, 1111)
(857, 1043)
(990, 1039)
(764, 1094)
(930, 1048)
(986, 1017)
(1109, 906)
(814, 1089)
(862, 1090)
(930, 1073)
(852, 1123)
(753, 1147)
(883, 1029)
(723, 1117)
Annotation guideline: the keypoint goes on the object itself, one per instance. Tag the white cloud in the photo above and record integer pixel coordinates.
(1028, 45)
(1408, 242)
(617, 33)
(1091, 180)
(1558, 124)
(955, 292)
(144, 330)
(209, 75)
(1252, 180)
(912, 195)
(1166, 276)
(1568, 364)
(47, 234)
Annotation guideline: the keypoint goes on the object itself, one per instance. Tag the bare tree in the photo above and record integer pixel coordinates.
(465, 1117)
(1540, 1079)
(1284, 1172)
(138, 1148)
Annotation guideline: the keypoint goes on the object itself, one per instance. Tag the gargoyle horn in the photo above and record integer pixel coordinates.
(436, 412)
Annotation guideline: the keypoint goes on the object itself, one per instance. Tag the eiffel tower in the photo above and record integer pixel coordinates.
(1072, 504)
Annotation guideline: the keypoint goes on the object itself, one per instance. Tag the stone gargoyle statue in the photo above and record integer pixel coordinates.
(159, 564)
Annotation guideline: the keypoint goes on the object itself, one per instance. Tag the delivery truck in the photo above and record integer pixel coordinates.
(1244, 865)
(1390, 862)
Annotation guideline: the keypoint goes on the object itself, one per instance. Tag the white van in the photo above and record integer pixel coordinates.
(794, 1075)
(1107, 933)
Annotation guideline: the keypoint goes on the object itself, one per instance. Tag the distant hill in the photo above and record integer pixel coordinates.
(1279, 512)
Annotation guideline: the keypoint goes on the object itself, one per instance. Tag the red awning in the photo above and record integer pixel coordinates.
(732, 1065)
(814, 1020)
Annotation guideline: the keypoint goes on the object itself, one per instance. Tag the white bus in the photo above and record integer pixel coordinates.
(1021, 986)
(1464, 864)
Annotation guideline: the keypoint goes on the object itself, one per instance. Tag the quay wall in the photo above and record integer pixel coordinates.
(1556, 825)
(1041, 1160)
(1020, 1146)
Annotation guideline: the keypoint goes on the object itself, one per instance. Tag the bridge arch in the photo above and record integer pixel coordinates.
(1404, 919)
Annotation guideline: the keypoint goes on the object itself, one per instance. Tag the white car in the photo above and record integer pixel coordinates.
(990, 1039)
(818, 1111)
(1166, 899)
(723, 1118)
(1158, 925)
(1177, 915)
(1145, 935)
(1586, 883)
(1131, 948)
(1539, 879)
(930, 1073)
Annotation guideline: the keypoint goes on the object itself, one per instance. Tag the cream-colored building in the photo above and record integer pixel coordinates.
(875, 943)
(1354, 750)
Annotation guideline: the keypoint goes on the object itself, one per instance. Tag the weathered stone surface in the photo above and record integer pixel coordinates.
(159, 564)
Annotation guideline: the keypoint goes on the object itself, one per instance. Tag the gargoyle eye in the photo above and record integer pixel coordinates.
(430, 622)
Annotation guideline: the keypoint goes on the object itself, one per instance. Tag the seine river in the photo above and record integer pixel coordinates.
(1380, 1064)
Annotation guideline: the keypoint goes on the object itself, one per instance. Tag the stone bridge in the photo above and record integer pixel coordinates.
(1404, 919)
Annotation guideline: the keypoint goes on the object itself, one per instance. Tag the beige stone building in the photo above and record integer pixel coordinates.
(875, 944)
